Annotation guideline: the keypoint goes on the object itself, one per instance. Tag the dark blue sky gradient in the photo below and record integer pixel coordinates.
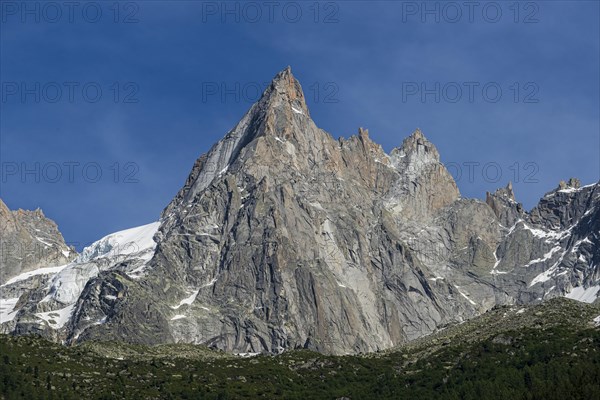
(364, 62)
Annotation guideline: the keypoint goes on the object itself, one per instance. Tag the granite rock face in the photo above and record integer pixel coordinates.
(554, 250)
(504, 205)
(28, 241)
(284, 237)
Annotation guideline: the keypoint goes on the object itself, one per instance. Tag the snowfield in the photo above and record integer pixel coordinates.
(127, 242)
(68, 281)
(588, 295)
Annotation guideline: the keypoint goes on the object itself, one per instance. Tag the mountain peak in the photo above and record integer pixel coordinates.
(285, 88)
(418, 134)
(506, 192)
(417, 146)
(573, 183)
(281, 112)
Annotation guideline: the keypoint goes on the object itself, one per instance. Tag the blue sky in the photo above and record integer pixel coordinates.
(362, 64)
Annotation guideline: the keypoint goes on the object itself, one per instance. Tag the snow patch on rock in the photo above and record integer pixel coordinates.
(7, 307)
(128, 242)
(39, 271)
(188, 300)
(58, 318)
(588, 295)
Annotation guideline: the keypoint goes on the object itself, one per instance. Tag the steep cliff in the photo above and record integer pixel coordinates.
(284, 237)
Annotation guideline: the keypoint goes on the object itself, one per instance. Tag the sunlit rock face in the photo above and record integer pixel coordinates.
(284, 237)
(28, 241)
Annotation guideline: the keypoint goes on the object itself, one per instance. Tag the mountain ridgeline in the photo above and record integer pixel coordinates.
(283, 237)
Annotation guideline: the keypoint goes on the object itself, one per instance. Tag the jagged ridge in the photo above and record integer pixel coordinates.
(283, 237)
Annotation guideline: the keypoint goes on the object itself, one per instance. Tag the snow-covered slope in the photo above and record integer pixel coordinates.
(122, 244)
(128, 250)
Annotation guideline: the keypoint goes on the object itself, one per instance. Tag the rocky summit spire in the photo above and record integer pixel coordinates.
(417, 146)
(506, 192)
(285, 90)
(415, 153)
(504, 205)
(280, 113)
(573, 183)
(425, 184)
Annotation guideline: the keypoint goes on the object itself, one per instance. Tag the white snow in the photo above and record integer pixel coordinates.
(127, 242)
(70, 279)
(588, 295)
(588, 212)
(569, 190)
(67, 285)
(546, 275)
(58, 318)
(317, 205)
(496, 272)
(464, 295)
(590, 185)
(536, 232)
(549, 290)
(497, 260)
(135, 274)
(7, 307)
(43, 242)
(39, 271)
(212, 282)
(512, 228)
(546, 256)
(188, 300)
(46, 299)
(579, 243)
(542, 234)
(246, 355)
(521, 311)
(543, 277)
(294, 109)
(597, 321)
(110, 297)
(178, 316)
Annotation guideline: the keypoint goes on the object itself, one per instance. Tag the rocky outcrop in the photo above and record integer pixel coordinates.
(554, 249)
(424, 186)
(28, 241)
(504, 205)
(284, 237)
(46, 300)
